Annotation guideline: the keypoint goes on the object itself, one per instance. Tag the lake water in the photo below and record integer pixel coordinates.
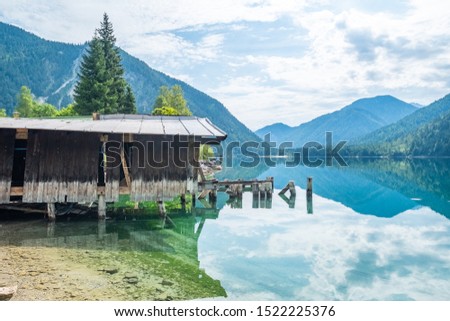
(376, 230)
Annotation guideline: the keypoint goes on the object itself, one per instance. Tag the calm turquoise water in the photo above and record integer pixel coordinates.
(379, 230)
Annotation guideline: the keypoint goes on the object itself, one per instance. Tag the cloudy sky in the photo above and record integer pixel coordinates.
(269, 61)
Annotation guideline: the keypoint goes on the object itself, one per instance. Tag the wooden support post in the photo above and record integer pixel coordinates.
(262, 195)
(255, 192)
(183, 202)
(309, 194)
(161, 208)
(270, 179)
(291, 185)
(101, 207)
(309, 186)
(239, 191)
(51, 211)
(203, 194)
(125, 166)
(213, 195)
(268, 187)
(193, 200)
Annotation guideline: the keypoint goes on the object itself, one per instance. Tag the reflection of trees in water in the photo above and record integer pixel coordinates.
(423, 179)
(381, 187)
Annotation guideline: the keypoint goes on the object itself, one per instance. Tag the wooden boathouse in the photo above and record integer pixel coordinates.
(96, 160)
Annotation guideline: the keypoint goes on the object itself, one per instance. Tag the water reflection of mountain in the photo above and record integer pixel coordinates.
(378, 187)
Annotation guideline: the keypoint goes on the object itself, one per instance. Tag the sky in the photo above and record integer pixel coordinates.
(269, 61)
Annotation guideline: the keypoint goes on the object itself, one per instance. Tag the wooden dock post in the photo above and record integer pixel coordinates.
(101, 207)
(291, 185)
(193, 200)
(183, 202)
(255, 192)
(268, 188)
(309, 188)
(262, 195)
(51, 211)
(161, 207)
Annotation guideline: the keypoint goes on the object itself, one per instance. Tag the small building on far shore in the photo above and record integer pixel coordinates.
(87, 160)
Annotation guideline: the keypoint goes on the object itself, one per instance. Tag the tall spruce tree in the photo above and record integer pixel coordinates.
(102, 87)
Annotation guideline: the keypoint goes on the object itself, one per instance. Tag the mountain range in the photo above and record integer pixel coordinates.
(359, 118)
(378, 126)
(423, 133)
(50, 69)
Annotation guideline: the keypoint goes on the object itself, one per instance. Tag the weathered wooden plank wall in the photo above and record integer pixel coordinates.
(154, 171)
(111, 166)
(61, 167)
(7, 139)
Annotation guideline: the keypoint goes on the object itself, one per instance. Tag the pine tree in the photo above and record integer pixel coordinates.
(102, 87)
(129, 103)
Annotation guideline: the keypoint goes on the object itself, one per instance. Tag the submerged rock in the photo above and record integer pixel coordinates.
(110, 270)
(6, 293)
(131, 278)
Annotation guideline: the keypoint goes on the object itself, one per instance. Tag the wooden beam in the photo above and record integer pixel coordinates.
(21, 133)
(16, 191)
(125, 167)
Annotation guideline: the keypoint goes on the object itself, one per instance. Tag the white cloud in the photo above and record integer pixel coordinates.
(329, 54)
(358, 257)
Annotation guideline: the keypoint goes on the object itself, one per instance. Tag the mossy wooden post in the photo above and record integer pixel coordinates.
(51, 212)
(239, 189)
(101, 210)
(213, 195)
(194, 198)
(291, 185)
(309, 188)
(262, 195)
(183, 202)
(268, 187)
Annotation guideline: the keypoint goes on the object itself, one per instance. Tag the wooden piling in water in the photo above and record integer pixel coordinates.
(309, 188)
(255, 193)
(193, 200)
(291, 185)
(51, 211)
(183, 202)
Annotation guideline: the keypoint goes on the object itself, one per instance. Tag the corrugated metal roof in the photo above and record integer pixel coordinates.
(124, 124)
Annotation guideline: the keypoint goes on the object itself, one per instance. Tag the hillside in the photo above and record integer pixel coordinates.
(50, 68)
(359, 118)
(423, 133)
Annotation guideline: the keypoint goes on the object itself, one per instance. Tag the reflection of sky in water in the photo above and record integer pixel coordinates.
(335, 254)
